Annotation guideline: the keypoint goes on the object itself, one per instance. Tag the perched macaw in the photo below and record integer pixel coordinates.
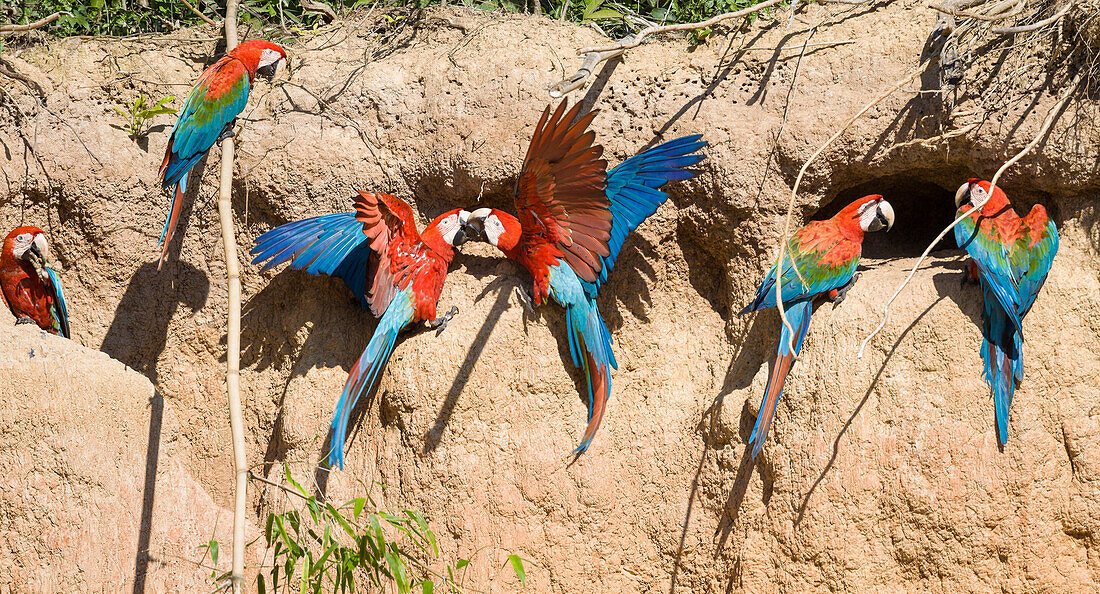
(396, 272)
(826, 254)
(573, 219)
(30, 287)
(1011, 259)
(208, 115)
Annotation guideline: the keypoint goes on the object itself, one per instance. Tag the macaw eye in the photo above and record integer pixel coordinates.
(24, 237)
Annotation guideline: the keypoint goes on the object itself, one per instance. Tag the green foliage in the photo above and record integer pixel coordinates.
(127, 17)
(139, 114)
(318, 547)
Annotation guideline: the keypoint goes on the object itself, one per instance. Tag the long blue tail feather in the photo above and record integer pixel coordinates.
(798, 314)
(1001, 353)
(367, 372)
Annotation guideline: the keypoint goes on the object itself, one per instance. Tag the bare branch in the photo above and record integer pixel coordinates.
(996, 13)
(31, 26)
(1051, 116)
(233, 332)
(591, 60)
(636, 40)
(208, 20)
(593, 56)
(1033, 26)
(319, 8)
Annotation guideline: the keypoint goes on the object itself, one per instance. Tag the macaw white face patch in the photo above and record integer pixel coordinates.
(494, 228)
(24, 241)
(269, 57)
(449, 227)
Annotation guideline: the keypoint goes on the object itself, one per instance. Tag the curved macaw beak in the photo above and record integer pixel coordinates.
(463, 233)
(962, 194)
(476, 223)
(37, 254)
(884, 214)
(268, 71)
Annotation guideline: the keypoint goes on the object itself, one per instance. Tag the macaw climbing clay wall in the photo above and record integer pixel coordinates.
(881, 473)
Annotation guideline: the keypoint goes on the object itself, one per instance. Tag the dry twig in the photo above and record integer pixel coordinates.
(593, 56)
(996, 13)
(31, 26)
(206, 19)
(1034, 26)
(319, 8)
(1051, 116)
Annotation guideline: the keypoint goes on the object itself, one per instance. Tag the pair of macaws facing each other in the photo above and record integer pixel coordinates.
(574, 216)
(1011, 259)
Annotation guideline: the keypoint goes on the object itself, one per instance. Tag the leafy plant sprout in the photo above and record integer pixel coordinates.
(315, 546)
(138, 115)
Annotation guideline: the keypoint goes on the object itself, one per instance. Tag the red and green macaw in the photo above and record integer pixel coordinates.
(826, 254)
(208, 115)
(30, 287)
(396, 272)
(1011, 259)
(573, 219)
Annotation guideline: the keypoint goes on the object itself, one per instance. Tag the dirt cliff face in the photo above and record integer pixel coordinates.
(880, 473)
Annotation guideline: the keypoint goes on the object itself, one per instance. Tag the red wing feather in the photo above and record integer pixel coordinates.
(389, 223)
(561, 191)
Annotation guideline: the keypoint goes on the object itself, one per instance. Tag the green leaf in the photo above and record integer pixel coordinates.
(335, 514)
(397, 568)
(156, 111)
(212, 546)
(267, 529)
(261, 586)
(358, 507)
(427, 586)
(462, 563)
(604, 13)
(290, 479)
(517, 566)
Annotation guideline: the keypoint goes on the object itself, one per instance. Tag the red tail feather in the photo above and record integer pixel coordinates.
(771, 397)
(598, 380)
(177, 205)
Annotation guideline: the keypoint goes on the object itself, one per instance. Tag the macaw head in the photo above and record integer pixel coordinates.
(259, 56)
(496, 226)
(450, 227)
(975, 192)
(873, 213)
(29, 244)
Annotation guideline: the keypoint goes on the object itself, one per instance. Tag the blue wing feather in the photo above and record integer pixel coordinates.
(333, 245)
(201, 121)
(991, 256)
(62, 308)
(633, 188)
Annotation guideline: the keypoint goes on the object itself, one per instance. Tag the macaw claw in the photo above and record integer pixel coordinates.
(227, 132)
(440, 324)
(837, 295)
(526, 299)
(23, 320)
(970, 273)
